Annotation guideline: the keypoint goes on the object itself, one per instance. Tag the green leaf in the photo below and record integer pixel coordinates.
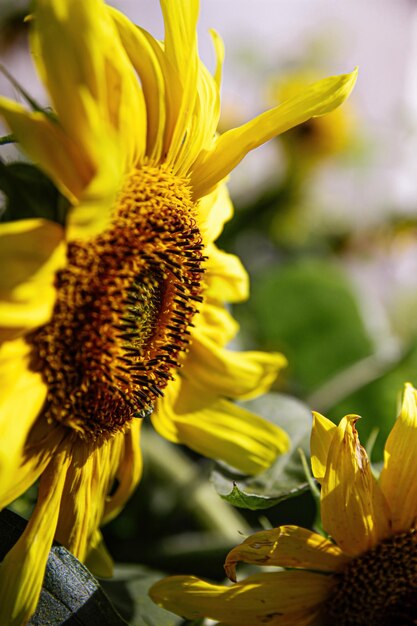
(285, 478)
(128, 590)
(29, 193)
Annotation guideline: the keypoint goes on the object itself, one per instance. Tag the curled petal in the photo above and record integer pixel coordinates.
(180, 20)
(219, 50)
(287, 546)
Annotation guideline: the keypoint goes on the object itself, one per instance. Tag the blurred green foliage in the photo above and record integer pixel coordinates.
(306, 309)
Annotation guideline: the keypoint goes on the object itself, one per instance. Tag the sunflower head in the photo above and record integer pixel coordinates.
(124, 304)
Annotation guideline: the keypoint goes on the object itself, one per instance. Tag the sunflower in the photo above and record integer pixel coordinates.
(98, 316)
(363, 573)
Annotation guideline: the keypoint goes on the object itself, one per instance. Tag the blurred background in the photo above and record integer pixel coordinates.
(325, 222)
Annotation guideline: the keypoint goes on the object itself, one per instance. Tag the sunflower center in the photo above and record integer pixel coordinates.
(378, 588)
(124, 304)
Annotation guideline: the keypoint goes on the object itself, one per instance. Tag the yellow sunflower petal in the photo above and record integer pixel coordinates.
(47, 145)
(92, 213)
(353, 509)
(180, 20)
(78, 512)
(89, 480)
(143, 54)
(128, 472)
(398, 477)
(274, 598)
(38, 445)
(217, 428)
(287, 546)
(98, 559)
(22, 394)
(321, 437)
(218, 324)
(22, 570)
(226, 278)
(204, 121)
(233, 374)
(214, 210)
(205, 118)
(97, 71)
(219, 50)
(317, 99)
(192, 94)
(30, 253)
